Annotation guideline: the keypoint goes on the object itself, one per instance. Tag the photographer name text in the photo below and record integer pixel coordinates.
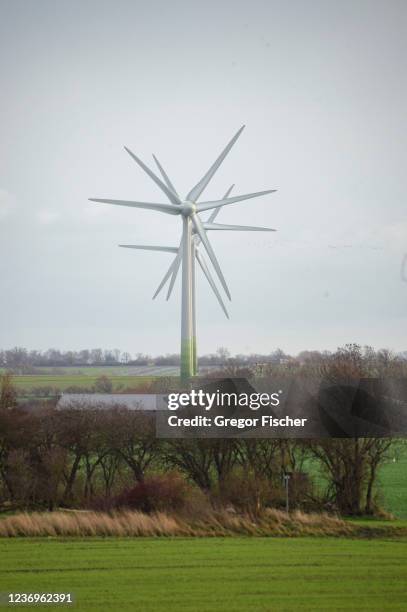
(232, 422)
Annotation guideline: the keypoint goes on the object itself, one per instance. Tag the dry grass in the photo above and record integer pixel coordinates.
(89, 524)
(82, 523)
(129, 523)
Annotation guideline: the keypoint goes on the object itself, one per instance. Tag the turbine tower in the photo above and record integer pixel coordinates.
(194, 233)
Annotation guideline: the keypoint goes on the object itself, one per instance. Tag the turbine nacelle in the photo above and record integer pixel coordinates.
(188, 208)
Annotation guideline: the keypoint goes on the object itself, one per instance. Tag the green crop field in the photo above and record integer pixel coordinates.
(211, 574)
(61, 378)
(85, 381)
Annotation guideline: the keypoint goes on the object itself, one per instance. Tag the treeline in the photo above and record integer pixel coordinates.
(106, 459)
(111, 459)
(23, 360)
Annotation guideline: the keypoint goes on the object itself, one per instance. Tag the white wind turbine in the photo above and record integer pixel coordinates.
(194, 233)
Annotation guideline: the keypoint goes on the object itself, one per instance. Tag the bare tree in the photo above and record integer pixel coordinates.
(194, 458)
(132, 436)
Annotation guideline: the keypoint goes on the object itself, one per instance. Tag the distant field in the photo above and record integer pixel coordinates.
(211, 574)
(85, 381)
(85, 377)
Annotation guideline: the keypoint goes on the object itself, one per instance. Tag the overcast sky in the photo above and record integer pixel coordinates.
(321, 87)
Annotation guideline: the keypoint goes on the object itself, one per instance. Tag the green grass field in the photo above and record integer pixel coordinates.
(61, 378)
(211, 574)
(60, 382)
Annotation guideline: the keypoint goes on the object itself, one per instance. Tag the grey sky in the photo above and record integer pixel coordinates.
(321, 87)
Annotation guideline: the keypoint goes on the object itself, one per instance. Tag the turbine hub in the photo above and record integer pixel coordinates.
(188, 208)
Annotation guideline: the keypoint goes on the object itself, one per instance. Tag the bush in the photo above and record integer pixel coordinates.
(103, 384)
(169, 492)
(245, 491)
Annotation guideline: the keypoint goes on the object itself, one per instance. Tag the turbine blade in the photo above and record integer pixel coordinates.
(217, 203)
(166, 277)
(168, 192)
(165, 177)
(229, 191)
(213, 215)
(177, 264)
(166, 208)
(208, 275)
(236, 228)
(216, 211)
(149, 248)
(202, 234)
(199, 187)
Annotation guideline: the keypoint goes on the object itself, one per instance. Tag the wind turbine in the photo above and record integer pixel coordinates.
(194, 232)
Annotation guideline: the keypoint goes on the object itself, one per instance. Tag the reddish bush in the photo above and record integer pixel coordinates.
(169, 492)
(245, 491)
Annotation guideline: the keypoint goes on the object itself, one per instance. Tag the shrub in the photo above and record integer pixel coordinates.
(103, 384)
(169, 492)
(245, 491)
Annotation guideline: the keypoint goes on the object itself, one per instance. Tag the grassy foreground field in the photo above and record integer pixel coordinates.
(211, 574)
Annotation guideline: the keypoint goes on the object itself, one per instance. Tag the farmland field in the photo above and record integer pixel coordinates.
(61, 378)
(62, 382)
(211, 574)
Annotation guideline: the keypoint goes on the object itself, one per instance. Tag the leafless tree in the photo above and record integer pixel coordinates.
(132, 436)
